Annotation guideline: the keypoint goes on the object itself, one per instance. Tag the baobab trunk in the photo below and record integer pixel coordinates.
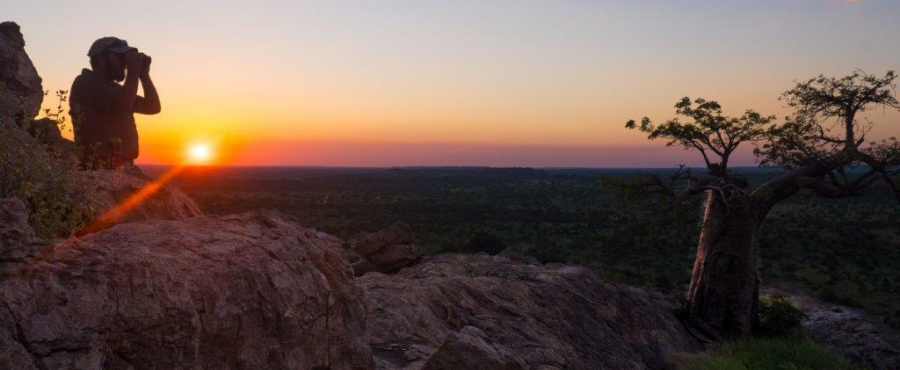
(724, 292)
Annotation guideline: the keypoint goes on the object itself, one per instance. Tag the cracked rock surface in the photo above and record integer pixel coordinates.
(250, 291)
(537, 316)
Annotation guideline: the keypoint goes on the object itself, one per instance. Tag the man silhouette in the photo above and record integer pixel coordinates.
(103, 110)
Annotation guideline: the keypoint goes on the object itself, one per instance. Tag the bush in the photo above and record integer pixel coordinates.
(779, 317)
(43, 174)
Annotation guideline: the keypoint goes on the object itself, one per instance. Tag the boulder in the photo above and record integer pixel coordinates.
(393, 257)
(251, 291)
(387, 250)
(851, 333)
(538, 316)
(151, 200)
(21, 92)
(397, 233)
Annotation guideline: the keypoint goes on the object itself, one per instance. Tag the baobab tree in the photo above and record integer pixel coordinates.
(821, 147)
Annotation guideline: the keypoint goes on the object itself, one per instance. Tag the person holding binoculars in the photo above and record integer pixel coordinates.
(103, 110)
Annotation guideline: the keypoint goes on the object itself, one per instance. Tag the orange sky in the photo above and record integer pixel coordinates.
(510, 83)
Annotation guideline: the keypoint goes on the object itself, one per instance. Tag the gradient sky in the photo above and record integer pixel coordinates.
(501, 83)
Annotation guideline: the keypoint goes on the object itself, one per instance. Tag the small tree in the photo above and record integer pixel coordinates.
(817, 147)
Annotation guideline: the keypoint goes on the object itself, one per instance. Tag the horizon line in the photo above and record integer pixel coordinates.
(445, 167)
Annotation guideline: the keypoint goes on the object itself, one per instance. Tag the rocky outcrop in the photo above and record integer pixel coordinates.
(388, 250)
(251, 291)
(21, 93)
(851, 333)
(106, 196)
(855, 336)
(130, 196)
(511, 314)
(166, 203)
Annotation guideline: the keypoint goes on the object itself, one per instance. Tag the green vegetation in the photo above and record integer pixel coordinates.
(41, 171)
(778, 317)
(784, 353)
(844, 250)
(783, 344)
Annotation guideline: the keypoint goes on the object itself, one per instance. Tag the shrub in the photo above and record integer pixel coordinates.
(779, 317)
(43, 174)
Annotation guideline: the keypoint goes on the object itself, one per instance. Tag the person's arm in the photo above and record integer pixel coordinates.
(149, 103)
(125, 98)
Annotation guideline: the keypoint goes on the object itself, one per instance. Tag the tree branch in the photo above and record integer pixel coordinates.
(824, 189)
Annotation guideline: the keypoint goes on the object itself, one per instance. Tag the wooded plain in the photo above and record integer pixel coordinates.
(844, 251)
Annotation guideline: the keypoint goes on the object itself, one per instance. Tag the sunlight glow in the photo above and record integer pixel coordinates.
(200, 153)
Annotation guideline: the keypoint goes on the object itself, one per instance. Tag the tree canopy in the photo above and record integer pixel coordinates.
(817, 145)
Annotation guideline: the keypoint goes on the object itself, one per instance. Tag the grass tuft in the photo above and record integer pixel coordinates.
(785, 353)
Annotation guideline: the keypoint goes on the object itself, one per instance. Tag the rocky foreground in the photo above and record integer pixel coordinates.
(498, 312)
(251, 291)
(257, 291)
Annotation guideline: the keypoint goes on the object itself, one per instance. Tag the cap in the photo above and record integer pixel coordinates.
(113, 44)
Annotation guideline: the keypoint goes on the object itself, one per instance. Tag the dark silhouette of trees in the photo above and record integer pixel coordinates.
(822, 147)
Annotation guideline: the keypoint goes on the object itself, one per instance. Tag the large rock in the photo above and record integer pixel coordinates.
(397, 234)
(130, 196)
(389, 259)
(540, 316)
(237, 292)
(21, 92)
(387, 250)
(854, 335)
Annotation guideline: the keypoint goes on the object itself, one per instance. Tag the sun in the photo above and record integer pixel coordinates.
(200, 153)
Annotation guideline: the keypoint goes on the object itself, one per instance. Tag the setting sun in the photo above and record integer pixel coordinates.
(200, 153)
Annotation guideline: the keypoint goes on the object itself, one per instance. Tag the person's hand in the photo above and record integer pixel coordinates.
(134, 62)
(146, 65)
